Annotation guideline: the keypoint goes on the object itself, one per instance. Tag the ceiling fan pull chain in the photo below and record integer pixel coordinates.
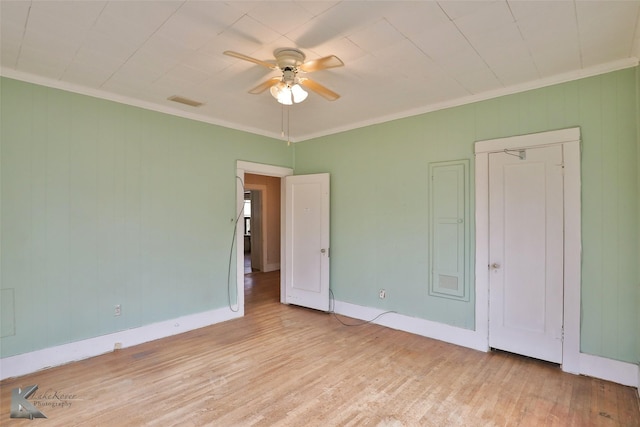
(288, 122)
(282, 121)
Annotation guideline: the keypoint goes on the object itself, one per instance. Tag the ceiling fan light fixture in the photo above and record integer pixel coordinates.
(288, 95)
(298, 93)
(285, 97)
(276, 89)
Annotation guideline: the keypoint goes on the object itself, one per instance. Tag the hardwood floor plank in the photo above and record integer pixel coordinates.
(289, 366)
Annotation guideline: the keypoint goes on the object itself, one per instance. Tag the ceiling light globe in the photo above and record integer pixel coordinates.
(298, 93)
(284, 96)
(276, 89)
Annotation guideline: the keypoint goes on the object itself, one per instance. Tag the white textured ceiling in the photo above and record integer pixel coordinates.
(401, 58)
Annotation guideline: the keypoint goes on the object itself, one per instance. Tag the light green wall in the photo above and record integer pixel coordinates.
(610, 215)
(638, 202)
(379, 220)
(106, 204)
(379, 213)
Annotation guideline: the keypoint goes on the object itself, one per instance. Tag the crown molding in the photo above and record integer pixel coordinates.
(510, 90)
(122, 99)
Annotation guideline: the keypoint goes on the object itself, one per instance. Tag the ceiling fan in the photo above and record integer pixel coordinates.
(287, 88)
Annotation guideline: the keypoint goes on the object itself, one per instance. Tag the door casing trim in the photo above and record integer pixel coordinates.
(569, 139)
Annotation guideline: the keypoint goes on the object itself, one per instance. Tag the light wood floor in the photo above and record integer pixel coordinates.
(289, 366)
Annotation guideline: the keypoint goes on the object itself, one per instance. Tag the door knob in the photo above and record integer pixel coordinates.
(495, 265)
(323, 250)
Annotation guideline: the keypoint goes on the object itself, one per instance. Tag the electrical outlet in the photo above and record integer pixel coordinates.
(117, 311)
(382, 294)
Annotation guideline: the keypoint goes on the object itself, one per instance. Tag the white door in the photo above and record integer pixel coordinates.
(306, 241)
(526, 252)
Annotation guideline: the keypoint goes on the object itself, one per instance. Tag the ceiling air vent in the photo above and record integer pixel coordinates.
(185, 101)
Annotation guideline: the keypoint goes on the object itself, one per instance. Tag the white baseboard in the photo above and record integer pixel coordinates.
(415, 325)
(272, 267)
(611, 370)
(27, 363)
(593, 366)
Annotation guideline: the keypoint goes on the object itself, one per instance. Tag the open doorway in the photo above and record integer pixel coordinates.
(249, 176)
(247, 232)
(261, 239)
(256, 231)
(262, 219)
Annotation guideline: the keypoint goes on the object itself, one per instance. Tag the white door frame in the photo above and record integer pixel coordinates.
(570, 141)
(243, 167)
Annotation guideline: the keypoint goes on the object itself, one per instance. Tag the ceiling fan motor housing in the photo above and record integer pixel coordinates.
(288, 57)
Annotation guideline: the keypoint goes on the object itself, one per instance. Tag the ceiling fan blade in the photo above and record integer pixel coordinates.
(250, 59)
(330, 61)
(319, 89)
(264, 85)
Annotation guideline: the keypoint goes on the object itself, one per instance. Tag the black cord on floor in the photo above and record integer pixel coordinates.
(233, 242)
(332, 304)
(331, 299)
